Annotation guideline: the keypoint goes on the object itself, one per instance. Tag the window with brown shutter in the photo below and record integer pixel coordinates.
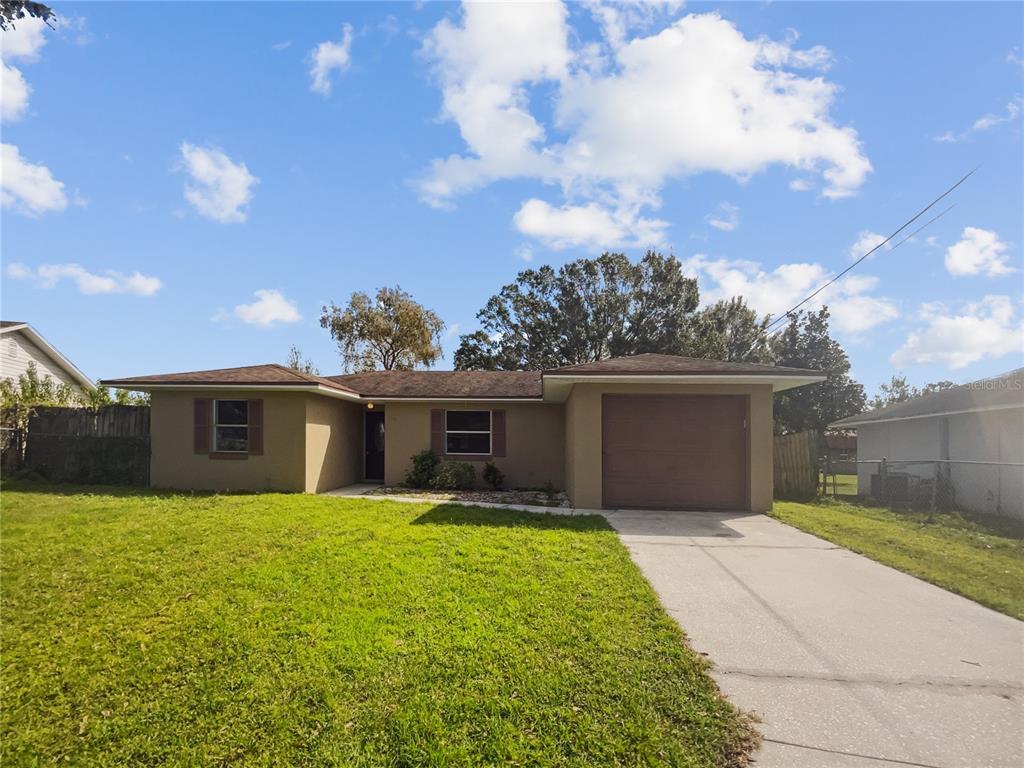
(201, 425)
(437, 432)
(255, 427)
(497, 433)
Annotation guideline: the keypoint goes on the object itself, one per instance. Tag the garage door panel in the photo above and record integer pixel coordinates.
(674, 451)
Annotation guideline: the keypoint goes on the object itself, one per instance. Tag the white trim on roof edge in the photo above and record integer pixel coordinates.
(36, 338)
(779, 382)
(843, 424)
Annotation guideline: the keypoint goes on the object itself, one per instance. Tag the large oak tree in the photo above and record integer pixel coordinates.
(589, 309)
(805, 343)
(390, 331)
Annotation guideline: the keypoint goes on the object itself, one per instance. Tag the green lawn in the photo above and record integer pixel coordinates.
(142, 628)
(845, 485)
(952, 552)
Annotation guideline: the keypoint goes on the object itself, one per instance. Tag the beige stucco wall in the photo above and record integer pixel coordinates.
(534, 440)
(583, 464)
(334, 431)
(280, 468)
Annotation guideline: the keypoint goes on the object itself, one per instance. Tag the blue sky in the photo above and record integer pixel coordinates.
(186, 184)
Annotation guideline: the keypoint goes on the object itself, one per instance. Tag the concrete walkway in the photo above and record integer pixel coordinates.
(848, 663)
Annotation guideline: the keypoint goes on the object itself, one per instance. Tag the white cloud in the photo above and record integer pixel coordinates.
(23, 40)
(327, 57)
(270, 307)
(282, 46)
(984, 123)
(775, 291)
(631, 114)
(979, 251)
(19, 271)
(726, 217)
(222, 189)
(590, 225)
(866, 240)
(988, 328)
(525, 252)
(28, 188)
(23, 43)
(14, 92)
(111, 281)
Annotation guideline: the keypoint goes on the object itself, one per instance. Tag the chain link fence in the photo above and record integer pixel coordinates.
(933, 485)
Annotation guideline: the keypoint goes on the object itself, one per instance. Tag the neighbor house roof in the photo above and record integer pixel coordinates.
(72, 371)
(997, 393)
(443, 384)
(651, 363)
(491, 385)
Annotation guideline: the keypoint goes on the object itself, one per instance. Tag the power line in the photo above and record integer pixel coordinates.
(906, 224)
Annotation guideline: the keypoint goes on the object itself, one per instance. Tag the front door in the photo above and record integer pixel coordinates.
(374, 440)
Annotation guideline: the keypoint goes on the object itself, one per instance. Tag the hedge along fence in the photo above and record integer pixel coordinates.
(796, 465)
(84, 445)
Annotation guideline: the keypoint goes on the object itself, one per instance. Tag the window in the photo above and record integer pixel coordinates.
(231, 426)
(467, 432)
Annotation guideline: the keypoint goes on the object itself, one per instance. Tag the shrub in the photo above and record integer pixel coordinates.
(455, 476)
(424, 468)
(493, 476)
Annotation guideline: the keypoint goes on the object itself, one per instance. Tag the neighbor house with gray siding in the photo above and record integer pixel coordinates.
(974, 432)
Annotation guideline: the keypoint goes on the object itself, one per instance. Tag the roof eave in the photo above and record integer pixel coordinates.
(143, 386)
(853, 421)
(561, 383)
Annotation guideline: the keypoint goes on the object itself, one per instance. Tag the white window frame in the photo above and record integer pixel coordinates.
(489, 432)
(216, 425)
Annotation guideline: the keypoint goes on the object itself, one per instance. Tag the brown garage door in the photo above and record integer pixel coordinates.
(674, 451)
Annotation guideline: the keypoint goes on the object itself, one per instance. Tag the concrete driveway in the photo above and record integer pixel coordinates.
(848, 663)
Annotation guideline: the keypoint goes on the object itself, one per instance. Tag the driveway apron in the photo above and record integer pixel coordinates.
(846, 662)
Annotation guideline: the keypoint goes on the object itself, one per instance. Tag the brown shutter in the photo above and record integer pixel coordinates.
(497, 433)
(437, 432)
(255, 427)
(201, 425)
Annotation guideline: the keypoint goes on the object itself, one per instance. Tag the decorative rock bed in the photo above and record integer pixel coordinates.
(535, 497)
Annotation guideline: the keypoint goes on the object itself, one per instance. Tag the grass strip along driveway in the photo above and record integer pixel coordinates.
(952, 552)
(141, 628)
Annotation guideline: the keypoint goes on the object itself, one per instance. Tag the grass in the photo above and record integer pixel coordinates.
(953, 552)
(142, 629)
(845, 485)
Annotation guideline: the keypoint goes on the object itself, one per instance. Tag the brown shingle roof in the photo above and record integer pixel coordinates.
(476, 384)
(651, 363)
(277, 375)
(452, 384)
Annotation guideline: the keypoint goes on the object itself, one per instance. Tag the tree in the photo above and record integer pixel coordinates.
(730, 331)
(31, 390)
(391, 332)
(10, 12)
(590, 309)
(299, 363)
(805, 343)
(99, 397)
(898, 391)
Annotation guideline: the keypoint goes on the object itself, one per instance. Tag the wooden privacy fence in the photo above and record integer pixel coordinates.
(796, 466)
(84, 445)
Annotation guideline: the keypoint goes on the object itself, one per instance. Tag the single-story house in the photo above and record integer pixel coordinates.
(649, 430)
(974, 433)
(21, 345)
